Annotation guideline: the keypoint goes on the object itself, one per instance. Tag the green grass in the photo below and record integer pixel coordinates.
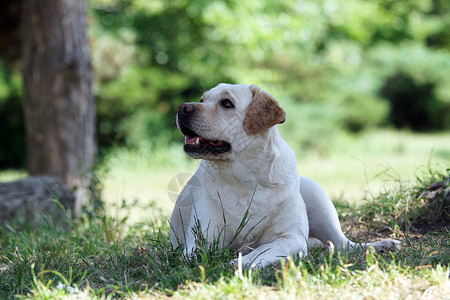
(356, 167)
(124, 251)
(101, 256)
(10, 175)
(363, 165)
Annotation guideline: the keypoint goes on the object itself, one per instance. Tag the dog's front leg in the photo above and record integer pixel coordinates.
(190, 246)
(267, 254)
(200, 234)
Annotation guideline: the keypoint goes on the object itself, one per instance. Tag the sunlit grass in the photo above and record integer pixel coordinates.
(356, 166)
(10, 175)
(296, 283)
(143, 175)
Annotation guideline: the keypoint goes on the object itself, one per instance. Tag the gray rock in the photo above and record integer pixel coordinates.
(30, 199)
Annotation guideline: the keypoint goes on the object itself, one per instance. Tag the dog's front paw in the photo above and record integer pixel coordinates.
(241, 262)
(188, 252)
(388, 244)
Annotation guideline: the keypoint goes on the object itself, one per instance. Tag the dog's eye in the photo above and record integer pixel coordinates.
(201, 100)
(227, 103)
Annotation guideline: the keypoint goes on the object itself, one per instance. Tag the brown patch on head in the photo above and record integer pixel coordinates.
(263, 112)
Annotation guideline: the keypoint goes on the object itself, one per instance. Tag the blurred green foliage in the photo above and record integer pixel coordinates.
(335, 65)
(12, 131)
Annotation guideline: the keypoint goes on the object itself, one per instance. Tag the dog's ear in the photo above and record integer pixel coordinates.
(263, 112)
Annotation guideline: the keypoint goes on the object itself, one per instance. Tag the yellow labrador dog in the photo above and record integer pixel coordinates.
(247, 192)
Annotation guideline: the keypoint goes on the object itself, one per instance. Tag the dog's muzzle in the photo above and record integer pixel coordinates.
(196, 145)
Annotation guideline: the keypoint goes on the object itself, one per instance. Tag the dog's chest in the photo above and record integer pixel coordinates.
(241, 214)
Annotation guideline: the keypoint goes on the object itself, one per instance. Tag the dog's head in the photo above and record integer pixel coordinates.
(228, 119)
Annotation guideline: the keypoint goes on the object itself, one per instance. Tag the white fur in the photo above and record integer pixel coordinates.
(258, 175)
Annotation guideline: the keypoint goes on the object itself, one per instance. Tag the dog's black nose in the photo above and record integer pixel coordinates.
(186, 108)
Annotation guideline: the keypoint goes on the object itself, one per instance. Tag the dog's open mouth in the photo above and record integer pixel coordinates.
(200, 145)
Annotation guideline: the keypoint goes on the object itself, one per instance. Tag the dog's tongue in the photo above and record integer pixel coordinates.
(190, 139)
(193, 140)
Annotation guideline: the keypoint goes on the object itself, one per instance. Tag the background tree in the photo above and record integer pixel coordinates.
(58, 102)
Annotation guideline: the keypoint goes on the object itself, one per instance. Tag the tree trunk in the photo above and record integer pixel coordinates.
(58, 102)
